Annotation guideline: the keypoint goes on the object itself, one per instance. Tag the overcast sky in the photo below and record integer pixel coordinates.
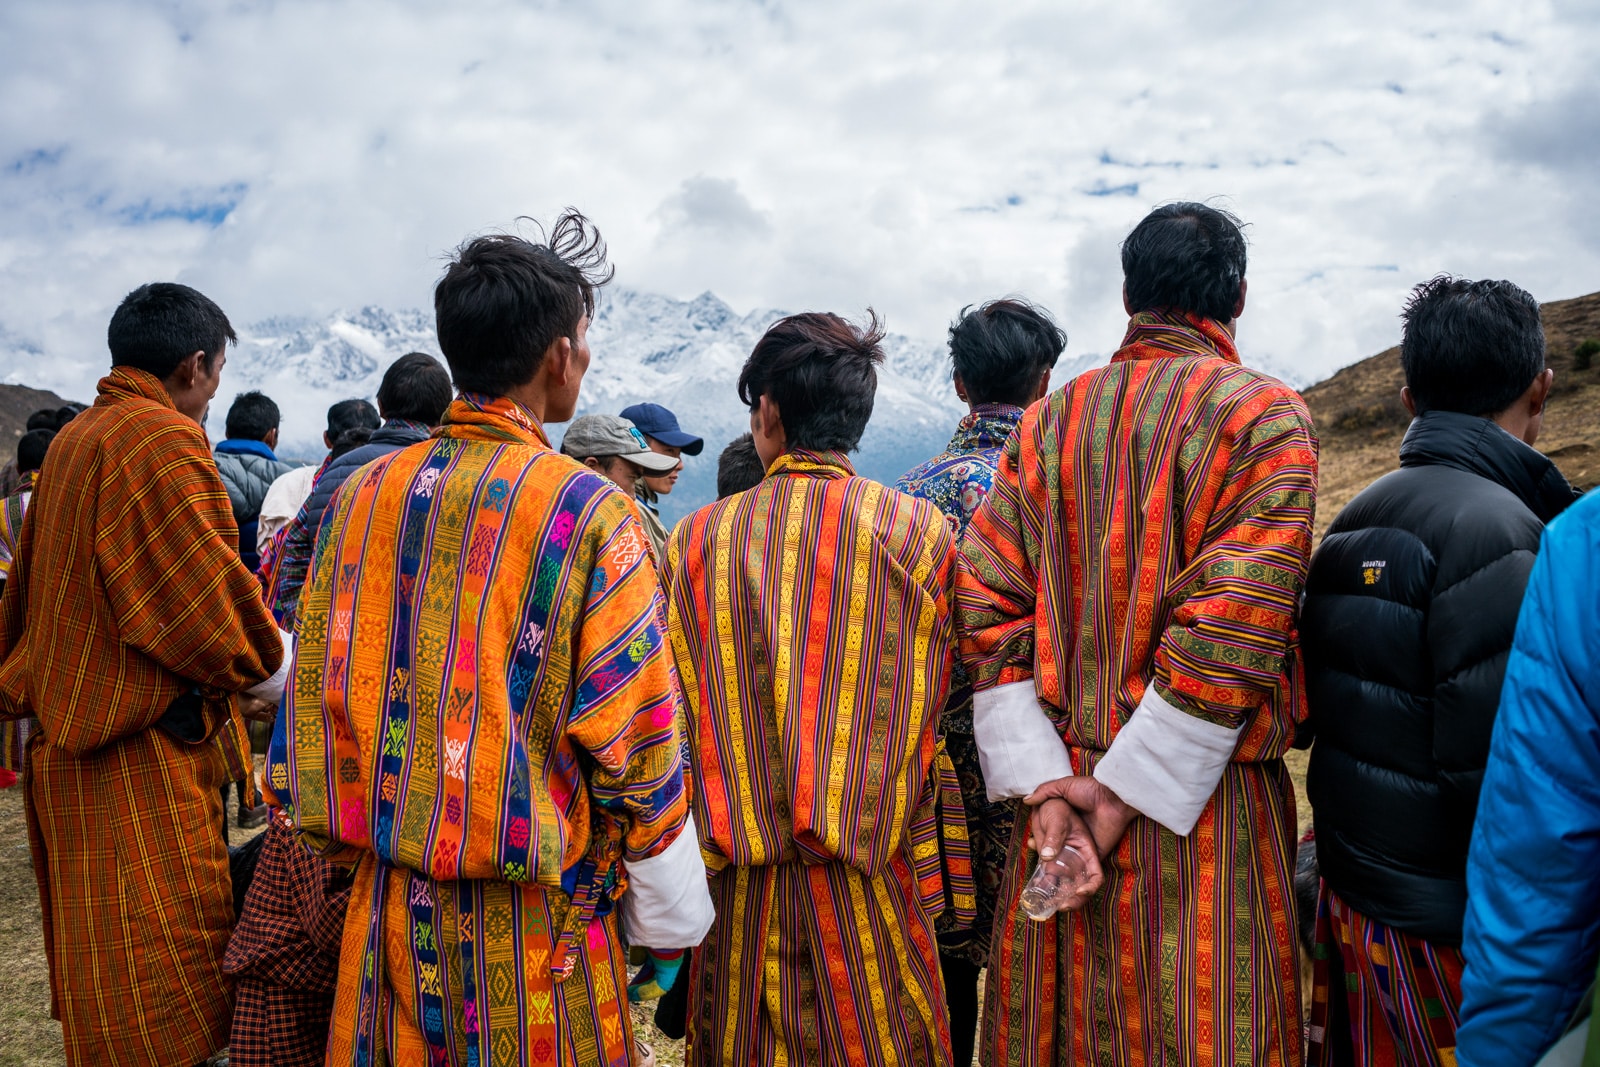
(298, 157)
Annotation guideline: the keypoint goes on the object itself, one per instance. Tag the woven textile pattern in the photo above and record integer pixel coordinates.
(1150, 524)
(810, 624)
(483, 718)
(126, 592)
(1398, 995)
(956, 481)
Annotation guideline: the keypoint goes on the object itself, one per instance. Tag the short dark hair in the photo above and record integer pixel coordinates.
(66, 413)
(1003, 348)
(739, 467)
(504, 300)
(251, 417)
(349, 415)
(417, 387)
(1187, 257)
(159, 325)
(43, 419)
(31, 449)
(1470, 347)
(822, 372)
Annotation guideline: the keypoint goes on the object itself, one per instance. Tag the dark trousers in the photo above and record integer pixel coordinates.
(961, 994)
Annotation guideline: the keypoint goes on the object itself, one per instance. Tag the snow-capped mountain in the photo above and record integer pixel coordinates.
(685, 354)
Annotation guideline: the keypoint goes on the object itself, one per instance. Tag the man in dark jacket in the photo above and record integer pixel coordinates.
(411, 399)
(1408, 621)
(284, 953)
(248, 465)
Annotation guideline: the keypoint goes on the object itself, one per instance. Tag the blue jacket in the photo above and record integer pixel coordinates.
(1533, 874)
(248, 469)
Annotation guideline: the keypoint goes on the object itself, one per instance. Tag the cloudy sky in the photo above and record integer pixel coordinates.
(292, 157)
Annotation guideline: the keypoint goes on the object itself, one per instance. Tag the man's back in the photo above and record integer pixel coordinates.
(1136, 482)
(462, 618)
(810, 618)
(1410, 610)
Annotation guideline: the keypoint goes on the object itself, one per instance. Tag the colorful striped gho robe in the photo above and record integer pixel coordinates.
(125, 595)
(1127, 598)
(810, 620)
(484, 719)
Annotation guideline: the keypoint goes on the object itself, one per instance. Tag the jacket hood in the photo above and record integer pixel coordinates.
(1480, 446)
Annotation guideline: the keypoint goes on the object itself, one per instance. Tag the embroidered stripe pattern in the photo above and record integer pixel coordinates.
(810, 624)
(1150, 524)
(1397, 996)
(483, 717)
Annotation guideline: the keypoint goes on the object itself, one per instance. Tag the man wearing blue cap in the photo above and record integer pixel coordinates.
(661, 431)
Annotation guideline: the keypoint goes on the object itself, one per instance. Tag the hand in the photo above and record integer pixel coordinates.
(257, 710)
(1055, 823)
(1106, 816)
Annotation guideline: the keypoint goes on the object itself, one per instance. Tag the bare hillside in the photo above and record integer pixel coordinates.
(1360, 420)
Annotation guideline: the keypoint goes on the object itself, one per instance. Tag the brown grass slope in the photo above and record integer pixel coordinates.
(1360, 420)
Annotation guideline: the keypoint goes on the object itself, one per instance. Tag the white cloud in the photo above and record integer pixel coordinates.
(911, 156)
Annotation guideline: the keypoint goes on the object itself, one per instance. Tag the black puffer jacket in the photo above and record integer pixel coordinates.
(1410, 609)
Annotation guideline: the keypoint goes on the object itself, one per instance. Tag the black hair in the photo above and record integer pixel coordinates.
(43, 419)
(739, 467)
(504, 300)
(66, 413)
(158, 326)
(349, 415)
(251, 417)
(822, 372)
(1186, 257)
(348, 440)
(416, 387)
(31, 449)
(1002, 349)
(1471, 347)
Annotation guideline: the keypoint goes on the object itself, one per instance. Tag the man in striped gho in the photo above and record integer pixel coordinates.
(1127, 599)
(810, 622)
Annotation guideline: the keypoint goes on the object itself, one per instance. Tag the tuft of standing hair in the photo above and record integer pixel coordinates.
(504, 300)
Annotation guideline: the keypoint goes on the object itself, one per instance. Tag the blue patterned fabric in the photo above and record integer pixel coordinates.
(958, 478)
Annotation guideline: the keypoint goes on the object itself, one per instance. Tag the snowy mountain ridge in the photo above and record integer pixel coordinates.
(684, 354)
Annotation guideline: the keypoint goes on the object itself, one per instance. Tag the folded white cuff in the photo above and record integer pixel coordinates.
(271, 690)
(1018, 746)
(1167, 763)
(668, 904)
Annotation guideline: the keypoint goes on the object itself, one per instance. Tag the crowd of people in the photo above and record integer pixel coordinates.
(791, 766)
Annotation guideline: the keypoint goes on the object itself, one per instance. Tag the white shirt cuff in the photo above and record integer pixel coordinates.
(668, 904)
(1166, 763)
(271, 690)
(1018, 746)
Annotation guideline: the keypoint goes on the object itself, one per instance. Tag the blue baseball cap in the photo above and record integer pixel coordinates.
(658, 422)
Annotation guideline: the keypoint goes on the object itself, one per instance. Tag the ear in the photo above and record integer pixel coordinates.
(1044, 385)
(189, 368)
(557, 363)
(1408, 400)
(1238, 307)
(593, 464)
(271, 440)
(327, 440)
(771, 418)
(961, 388)
(1126, 306)
(1539, 391)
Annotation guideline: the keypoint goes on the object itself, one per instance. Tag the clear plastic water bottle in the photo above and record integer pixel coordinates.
(1054, 883)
